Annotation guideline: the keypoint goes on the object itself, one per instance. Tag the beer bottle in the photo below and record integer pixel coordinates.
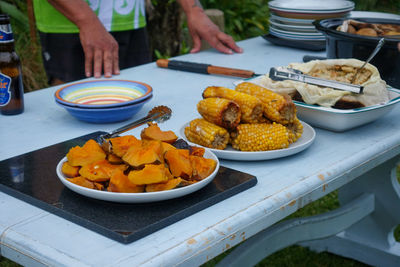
(11, 86)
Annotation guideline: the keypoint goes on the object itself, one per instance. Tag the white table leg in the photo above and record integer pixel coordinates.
(370, 240)
(293, 231)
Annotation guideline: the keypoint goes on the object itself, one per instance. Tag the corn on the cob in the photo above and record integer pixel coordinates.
(250, 107)
(295, 130)
(260, 137)
(207, 134)
(220, 111)
(276, 107)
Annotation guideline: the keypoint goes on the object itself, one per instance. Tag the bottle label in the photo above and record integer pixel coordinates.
(6, 34)
(5, 94)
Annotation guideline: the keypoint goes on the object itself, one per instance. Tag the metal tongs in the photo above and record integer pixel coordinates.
(282, 74)
(157, 114)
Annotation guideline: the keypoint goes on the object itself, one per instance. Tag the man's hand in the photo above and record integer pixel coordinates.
(99, 46)
(201, 27)
(101, 50)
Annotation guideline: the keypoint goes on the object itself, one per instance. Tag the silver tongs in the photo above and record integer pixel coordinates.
(157, 114)
(296, 75)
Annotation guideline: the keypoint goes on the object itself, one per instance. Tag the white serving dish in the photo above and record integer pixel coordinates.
(301, 144)
(340, 120)
(139, 197)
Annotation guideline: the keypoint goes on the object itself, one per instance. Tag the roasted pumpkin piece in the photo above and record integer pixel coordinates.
(100, 171)
(119, 182)
(149, 152)
(153, 132)
(82, 181)
(197, 151)
(88, 153)
(170, 184)
(70, 171)
(202, 167)
(113, 159)
(179, 163)
(121, 144)
(167, 146)
(150, 174)
(99, 186)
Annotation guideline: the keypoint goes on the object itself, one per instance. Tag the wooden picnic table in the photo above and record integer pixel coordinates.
(361, 163)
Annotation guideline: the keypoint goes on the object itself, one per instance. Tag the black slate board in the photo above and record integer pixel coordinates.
(32, 177)
(299, 44)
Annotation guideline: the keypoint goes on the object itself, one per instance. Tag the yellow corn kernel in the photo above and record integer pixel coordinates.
(260, 137)
(276, 107)
(220, 111)
(250, 107)
(295, 130)
(207, 134)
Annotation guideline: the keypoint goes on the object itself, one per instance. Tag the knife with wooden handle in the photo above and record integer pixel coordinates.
(204, 68)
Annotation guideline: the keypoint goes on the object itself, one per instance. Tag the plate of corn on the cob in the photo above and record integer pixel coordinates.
(248, 123)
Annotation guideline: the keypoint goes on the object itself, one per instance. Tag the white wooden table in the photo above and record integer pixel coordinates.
(360, 162)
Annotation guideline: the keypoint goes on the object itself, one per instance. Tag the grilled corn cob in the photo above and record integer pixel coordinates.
(295, 130)
(250, 107)
(220, 111)
(276, 107)
(260, 137)
(207, 134)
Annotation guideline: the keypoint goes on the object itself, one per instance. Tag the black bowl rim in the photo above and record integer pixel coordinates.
(355, 37)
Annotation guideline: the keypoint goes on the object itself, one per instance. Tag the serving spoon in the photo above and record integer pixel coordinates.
(376, 50)
(157, 114)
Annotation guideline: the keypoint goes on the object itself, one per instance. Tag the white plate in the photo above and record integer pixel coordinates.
(311, 6)
(292, 28)
(340, 120)
(302, 143)
(292, 21)
(295, 33)
(368, 14)
(139, 197)
(296, 37)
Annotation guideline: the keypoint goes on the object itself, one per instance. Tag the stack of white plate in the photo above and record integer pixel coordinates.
(292, 19)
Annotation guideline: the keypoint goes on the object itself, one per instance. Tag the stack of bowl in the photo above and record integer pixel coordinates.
(292, 19)
(103, 101)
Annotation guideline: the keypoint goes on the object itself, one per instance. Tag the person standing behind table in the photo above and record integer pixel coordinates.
(108, 35)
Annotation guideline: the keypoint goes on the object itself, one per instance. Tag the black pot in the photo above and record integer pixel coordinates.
(346, 45)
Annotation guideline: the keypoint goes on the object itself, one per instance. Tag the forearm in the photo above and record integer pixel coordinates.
(190, 6)
(77, 11)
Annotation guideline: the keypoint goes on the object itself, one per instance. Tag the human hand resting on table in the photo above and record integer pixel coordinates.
(201, 27)
(99, 46)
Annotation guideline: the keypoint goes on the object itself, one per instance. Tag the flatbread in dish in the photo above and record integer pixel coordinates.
(343, 70)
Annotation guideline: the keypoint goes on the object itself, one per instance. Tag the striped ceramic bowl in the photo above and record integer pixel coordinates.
(107, 93)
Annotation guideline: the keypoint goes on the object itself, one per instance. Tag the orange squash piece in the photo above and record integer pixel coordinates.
(179, 163)
(82, 181)
(148, 153)
(88, 153)
(197, 151)
(150, 174)
(167, 146)
(100, 171)
(119, 182)
(202, 167)
(153, 132)
(70, 171)
(121, 144)
(113, 159)
(99, 186)
(170, 184)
